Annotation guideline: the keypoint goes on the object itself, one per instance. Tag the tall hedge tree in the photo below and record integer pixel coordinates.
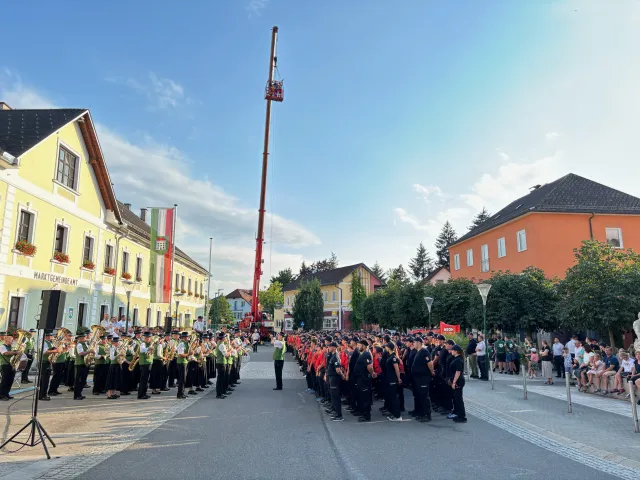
(446, 237)
(421, 265)
(308, 307)
(358, 295)
(602, 290)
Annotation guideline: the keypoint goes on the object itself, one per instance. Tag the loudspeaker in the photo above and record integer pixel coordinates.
(167, 324)
(52, 311)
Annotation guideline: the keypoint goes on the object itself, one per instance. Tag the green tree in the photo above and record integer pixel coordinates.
(220, 311)
(602, 290)
(325, 265)
(284, 277)
(379, 272)
(358, 295)
(271, 297)
(304, 269)
(421, 265)
(446, 237)
(308, 306)
(398, 275)
(480, 218)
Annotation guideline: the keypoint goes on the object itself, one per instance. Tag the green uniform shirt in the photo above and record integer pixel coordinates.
(100, 361)
(80, 358)
(144, 359)
(219, 355)
(183, 360)
(4, 360)
(62, 358)
(510, 346)
(228, 360)
(500, 347)
(278, 353)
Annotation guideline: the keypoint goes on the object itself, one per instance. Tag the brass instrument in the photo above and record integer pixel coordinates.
(171, 349)
(135, 359)
(121, 350)
(193, 340)
(19, 345)
(97, 332)
(152, 345)
(59, 343)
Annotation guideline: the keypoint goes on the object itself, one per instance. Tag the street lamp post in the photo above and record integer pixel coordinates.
(484, 288)
(127, 287)
(429, 302)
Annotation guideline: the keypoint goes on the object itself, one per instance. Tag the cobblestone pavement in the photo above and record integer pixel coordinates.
(86, 433)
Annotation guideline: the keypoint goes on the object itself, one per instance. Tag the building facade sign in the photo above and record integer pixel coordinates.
(53, 278)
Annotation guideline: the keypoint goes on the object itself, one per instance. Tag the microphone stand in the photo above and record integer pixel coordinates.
(34, 424)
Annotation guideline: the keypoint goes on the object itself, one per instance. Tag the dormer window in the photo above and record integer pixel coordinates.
(67, 169)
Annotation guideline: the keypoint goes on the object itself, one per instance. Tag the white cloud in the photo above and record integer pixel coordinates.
(255, 7)
(552, 135)
(162, 93)
(427, 191)
(150, 173)
(503, 155)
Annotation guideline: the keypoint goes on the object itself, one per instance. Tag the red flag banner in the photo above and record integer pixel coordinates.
(447, 329)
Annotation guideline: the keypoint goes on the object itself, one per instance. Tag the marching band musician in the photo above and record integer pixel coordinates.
(8, 374)
(228, 361)
(182, 353)
(81, 368)
(100, 368)
(221, 352)
(114, 375)
(157, 368)
(211, 359)
(166, 351)
(135, 375)
(70, 370)
(126, 377)
(29, 353)
(202, 370)
(45, 372)
(143, 361)
(172, 368)
(59, 367)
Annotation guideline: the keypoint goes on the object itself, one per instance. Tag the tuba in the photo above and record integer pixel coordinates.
(97, 332)
(58, 343)
(170, 351)
(19, 345)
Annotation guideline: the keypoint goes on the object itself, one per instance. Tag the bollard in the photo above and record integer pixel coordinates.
(567, 382)
(524, 382)
(491, 372)
(634, 407)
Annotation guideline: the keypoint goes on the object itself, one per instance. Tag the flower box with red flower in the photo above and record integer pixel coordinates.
(126, 276)
(190, 294)
(61, 257)
(88, 264)
(26, 248)
(109, 271)
(138, 279)
(183, 291)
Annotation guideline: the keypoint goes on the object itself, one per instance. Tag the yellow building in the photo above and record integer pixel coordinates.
(335, 286)
(56, 198)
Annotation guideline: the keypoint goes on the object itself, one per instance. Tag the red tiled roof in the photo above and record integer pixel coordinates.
(241, 293)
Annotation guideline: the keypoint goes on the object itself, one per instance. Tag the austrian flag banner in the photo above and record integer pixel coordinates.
(161, 247)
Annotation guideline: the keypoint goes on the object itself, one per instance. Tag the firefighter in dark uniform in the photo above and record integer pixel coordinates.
(363, 373)
(334, 376)
(422, 371)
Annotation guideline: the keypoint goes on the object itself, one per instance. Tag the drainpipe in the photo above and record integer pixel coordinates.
(339, 307)
(591, 225)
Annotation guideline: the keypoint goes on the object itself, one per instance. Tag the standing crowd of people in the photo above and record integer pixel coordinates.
(354, 370)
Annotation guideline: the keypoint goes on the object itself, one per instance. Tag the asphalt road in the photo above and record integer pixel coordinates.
(258, 433)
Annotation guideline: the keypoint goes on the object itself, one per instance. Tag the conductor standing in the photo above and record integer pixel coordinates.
(278, 358)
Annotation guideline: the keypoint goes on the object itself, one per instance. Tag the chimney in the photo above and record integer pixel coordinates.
(4, 106)
(128, 206)
(143, 214)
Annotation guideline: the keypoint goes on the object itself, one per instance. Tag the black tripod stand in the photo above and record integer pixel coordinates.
(34, 425)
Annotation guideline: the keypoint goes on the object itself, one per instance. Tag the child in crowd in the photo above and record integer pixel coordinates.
(626, 367)
(568, 362)
(596, 366)
(533, 363)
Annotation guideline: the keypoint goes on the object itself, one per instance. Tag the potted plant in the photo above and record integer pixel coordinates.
(126, 276)
(61, 257)
(177, 289)
(88, 264)
(183, 291)
(138, 279)
(190, 294)
(26, 248)
(109, 270)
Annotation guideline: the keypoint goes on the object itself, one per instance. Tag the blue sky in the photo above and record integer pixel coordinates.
(396, 118)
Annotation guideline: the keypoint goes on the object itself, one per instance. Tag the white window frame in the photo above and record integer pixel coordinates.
(522, 246)
(484, 258)
(329, 323)
(616, 229)
(138, 263)
(65, 241)
(502, 247)
(158, 318)
(288, 300)
(148, 322)
(76, 174)
(325, 296)
(32, 222)
(125, 265)
(333, 296)
(108, 246)
(456, 261)
(470, 257)
(92, 249)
